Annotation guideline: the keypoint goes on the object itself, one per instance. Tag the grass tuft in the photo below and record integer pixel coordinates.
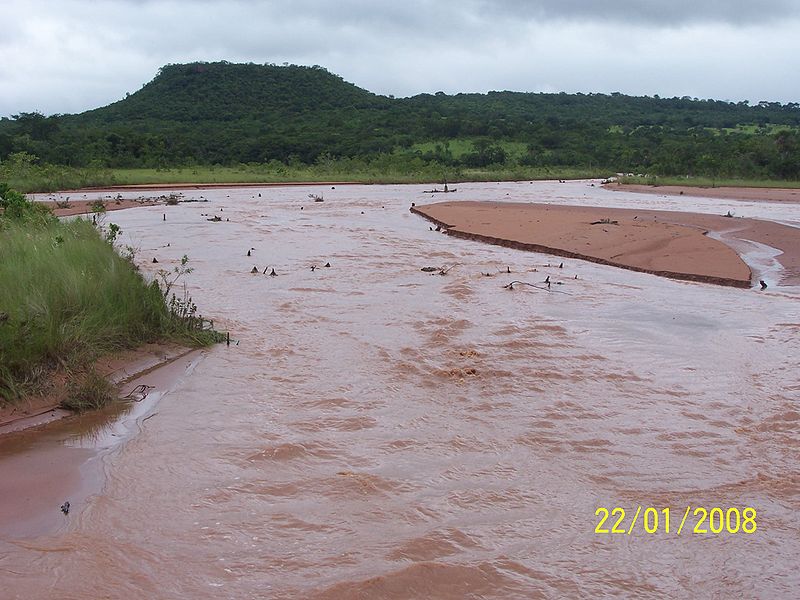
(91, 392)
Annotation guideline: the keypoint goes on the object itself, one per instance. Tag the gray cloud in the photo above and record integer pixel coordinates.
(652, 12)
(72, 55)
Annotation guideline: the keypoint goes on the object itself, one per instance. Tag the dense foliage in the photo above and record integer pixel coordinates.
(226, 114)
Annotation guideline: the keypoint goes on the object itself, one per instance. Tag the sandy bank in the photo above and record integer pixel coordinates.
(211, 186)
(118, 368)
(670, 244)
(746, 194)
(84, 207)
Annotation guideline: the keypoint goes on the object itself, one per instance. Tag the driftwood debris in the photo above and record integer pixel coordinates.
(316, 198)
(510, 286)
(604, 222)
(446, 190)
(440, 270)
(139, 393)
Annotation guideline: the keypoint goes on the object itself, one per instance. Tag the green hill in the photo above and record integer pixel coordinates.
(230, 92)
(223, 113)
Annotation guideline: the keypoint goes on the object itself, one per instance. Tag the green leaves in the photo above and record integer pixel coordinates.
(227, 114)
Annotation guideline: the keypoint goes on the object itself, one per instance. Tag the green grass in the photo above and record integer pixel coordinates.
(710, 182)
(357, 174)
(390, 168)
(66, 298)
(91, 391)
(50, 178)
(460, 147)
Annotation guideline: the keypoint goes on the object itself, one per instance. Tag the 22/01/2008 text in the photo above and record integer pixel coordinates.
(715, 520)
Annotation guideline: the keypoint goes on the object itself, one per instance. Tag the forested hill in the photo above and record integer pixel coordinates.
(209, 113)
(230, 92)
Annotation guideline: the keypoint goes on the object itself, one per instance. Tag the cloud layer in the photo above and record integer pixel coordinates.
(73, 55)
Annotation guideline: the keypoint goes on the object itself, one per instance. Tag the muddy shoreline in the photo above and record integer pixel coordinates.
(84, 207)
(50, 462)
(207, 186)
(744, 194)
(120, 368)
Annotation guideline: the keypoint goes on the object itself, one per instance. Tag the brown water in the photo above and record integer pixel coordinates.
(379, 432)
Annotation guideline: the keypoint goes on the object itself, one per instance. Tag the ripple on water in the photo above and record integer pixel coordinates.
(436, 544)
(385, 433)
(438, 580)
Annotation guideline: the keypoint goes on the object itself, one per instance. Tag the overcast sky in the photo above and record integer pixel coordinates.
(62, 56)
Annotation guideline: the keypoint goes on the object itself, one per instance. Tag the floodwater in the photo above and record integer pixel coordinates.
(379, 432)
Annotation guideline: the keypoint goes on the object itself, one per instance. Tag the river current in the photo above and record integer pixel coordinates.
(375, 431)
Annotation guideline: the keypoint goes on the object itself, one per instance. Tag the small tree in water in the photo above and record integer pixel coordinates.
(169, 278)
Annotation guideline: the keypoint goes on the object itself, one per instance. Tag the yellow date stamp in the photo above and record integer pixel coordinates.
(658, 520)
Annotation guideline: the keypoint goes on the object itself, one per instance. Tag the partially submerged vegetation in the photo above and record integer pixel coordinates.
(68, 297)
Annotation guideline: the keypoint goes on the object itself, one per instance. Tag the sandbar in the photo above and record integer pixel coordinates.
(665, 243)
(84, 207)
(745, 194)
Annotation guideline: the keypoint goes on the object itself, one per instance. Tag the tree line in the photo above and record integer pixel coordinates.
(224, 113)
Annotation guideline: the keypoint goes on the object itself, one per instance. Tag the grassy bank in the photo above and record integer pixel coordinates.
(67, 297)
(359, 173)
(709, 182)
(27, 176)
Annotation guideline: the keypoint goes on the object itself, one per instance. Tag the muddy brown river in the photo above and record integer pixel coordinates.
(375, 431)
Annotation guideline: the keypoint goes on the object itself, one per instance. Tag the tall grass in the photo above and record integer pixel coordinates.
(66, 297)
(389, 168)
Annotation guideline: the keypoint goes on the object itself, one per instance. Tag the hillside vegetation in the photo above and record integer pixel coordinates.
(204, 114)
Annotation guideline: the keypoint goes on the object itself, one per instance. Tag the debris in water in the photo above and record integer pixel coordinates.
(65, 507)
(139, 393)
